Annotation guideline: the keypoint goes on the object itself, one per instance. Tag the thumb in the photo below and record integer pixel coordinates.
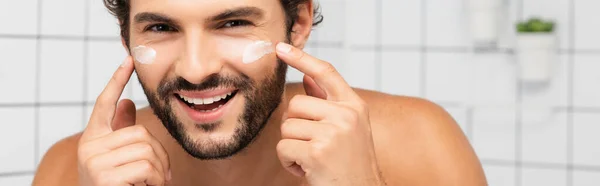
(124, 116)
(312, 89)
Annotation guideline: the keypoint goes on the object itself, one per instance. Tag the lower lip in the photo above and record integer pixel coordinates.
(206, 117)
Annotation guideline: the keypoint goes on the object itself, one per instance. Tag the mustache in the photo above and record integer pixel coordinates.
(167, 87)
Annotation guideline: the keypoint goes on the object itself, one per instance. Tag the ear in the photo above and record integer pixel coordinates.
(303, 26)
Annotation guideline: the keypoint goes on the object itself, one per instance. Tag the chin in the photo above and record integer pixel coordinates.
(219, 133)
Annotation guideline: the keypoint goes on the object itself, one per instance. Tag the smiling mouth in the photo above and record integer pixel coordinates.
(207, 104)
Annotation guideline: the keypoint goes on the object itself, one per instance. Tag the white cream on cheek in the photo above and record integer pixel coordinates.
(144, 54)
(256, 50)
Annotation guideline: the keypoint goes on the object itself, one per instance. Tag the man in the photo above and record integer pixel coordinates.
(257, 130)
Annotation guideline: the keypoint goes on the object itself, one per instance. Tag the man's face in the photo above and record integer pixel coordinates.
(199, 46)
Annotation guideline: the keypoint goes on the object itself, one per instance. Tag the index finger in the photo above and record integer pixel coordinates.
(106, 103)
(324, 74)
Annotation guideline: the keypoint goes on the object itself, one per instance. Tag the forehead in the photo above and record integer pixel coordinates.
(200, 8)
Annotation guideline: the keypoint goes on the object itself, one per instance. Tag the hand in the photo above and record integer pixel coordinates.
(326, 136)
(129, 155)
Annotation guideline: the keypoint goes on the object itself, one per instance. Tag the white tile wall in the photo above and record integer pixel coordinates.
(20, 180)
(401, 73)
(492, 81)
(104, 58)
(446, 23)
(500, 175)
(20, 15)
(585, 129)
(58, 20)
(447, 77)
(17, 70)
(407, 47)
(359, 70)
(585, 178)
(506, 27)
(101, 23)
(61, 75)
(365, 31)
(545, 141)
(399, 23)
(494, 133)
(586, 34)
(585, 87)
(17, 139)
(330, 33)
(536, 176)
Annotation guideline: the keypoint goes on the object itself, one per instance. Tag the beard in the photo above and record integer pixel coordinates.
(261, 100)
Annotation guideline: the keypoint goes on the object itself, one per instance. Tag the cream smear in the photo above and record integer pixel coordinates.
(144, 54)
(257, 50)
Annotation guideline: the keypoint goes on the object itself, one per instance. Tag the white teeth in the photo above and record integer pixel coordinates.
(207, 101)
(216, 98)
(198, 101)
(188, 100)
(204, 101)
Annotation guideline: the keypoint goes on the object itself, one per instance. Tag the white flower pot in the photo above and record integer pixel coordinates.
(484, 19)
(536, 56)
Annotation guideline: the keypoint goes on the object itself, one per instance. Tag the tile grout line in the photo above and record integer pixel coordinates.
(56, 104)
(15, 174)
(84, 71)
(540, 165)
(518, 113)
(469, 123)
(423, 50)
(570, 84)
(38, 69)
(378, 44)
(327, 44)
(338, 45)
(58, 37)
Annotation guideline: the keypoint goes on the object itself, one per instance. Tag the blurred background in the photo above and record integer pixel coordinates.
(526, 96)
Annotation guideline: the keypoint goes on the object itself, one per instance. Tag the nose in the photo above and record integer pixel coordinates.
(199, 60)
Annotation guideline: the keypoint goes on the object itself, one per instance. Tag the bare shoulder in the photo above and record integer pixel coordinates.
(59, 164)
(417, 142)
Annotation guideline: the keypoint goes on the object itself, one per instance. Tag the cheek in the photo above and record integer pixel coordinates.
(251, 57)
(153, 61)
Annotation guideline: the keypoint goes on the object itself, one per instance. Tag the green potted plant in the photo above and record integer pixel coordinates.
(536, 49)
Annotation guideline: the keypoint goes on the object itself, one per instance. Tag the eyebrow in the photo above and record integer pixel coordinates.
(247, 11)
(152, 17)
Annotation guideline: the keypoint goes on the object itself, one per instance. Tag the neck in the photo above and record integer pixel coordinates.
(258, 164)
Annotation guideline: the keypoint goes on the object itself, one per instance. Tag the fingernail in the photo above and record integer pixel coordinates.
(284, 47)
(169, 175)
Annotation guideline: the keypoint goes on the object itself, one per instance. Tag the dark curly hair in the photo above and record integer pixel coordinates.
(120, 9)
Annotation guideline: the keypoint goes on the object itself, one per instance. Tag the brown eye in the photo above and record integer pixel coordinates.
(236, 23)
(160, 28)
